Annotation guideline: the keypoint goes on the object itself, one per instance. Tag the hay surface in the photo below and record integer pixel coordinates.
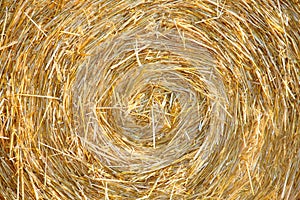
(149, 99)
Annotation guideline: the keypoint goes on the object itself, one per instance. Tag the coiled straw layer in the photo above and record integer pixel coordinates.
(149, 99)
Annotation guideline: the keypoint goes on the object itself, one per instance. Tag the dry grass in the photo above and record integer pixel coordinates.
(149, 99)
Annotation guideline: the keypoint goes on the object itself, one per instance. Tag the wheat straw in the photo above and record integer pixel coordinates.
(149, 99)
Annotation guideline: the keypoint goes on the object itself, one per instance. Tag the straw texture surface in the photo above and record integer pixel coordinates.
(140, 99)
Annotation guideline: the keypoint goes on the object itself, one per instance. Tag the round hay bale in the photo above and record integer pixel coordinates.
(149, 99)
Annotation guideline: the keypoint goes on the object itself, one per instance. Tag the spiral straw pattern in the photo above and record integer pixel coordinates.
(163, 99)
(150, 98)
